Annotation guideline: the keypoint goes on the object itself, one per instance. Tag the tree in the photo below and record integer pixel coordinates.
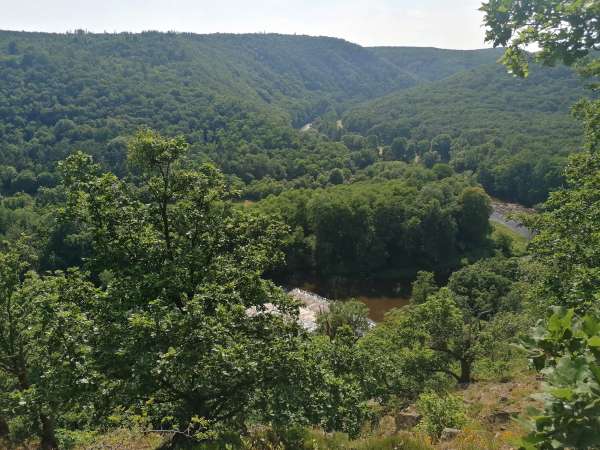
(401, 150)
(565, 347)
(442, 171)
(351, 313)
(474, 217)
(565, 30)
(45, 356)
(12, 48)
(452, 325)
(25, 181)
(332, 385)
(183, 272)
(430, 158)
(423, 286)
(485, 288)
(440, 329)
(336, 176)
(442, 145)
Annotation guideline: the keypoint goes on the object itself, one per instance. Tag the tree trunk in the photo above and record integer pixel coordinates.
(3, 428)
(465, 371)
(47, 434)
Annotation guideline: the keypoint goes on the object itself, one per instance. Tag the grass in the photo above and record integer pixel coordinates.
(482, 400)
(121, 439)
(519, 242)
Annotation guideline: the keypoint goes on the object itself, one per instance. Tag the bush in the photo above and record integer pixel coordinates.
(439, 412)
(352, 313)
(566, 351)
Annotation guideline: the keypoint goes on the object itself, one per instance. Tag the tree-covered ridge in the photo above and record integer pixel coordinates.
(431, 64)
(514, 132)
(238, 98)
(294, 73)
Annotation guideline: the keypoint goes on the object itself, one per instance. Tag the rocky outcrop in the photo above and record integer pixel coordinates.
(405, 420)
(500, 417)
(449, 433)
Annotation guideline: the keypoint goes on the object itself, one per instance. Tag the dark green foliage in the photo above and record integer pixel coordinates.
(565, 348)
(235, 97)
(475, 210)
(386, 229)
(433, 64)
(238, 98)
(423, 286)
(47, 365)
(450, 329)
(351, 313)
(401, 151)
(331, 384)
(181, 269)
(442, 144)
(514, 133)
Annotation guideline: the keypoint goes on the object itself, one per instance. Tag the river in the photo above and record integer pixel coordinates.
(378, 306)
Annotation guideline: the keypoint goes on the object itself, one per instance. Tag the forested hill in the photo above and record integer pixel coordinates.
(514, 132)
(431, 64)
(299, 74)
(238, 99)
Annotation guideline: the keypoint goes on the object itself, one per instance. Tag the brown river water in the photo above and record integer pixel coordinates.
(378, 306)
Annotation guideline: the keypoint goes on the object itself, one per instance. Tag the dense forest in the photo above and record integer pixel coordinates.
(514, 133)
(161, 193)
(240, 99)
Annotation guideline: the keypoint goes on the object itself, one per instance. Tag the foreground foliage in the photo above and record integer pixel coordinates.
(565, 348)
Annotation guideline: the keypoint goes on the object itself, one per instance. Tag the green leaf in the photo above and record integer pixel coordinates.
(594, 341)
(563, 393)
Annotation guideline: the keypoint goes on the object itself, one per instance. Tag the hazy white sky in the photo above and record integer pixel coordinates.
(439, 23)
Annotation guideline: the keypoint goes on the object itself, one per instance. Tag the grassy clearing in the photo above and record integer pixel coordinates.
(519, 242)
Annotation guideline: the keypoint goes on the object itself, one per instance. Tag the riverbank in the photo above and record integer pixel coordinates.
(503, 212)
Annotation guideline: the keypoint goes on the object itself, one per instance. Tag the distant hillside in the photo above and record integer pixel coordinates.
(238, 98)
(431, 64)
(515, 132)
(299, 74)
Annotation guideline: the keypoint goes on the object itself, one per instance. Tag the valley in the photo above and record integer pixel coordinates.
(288, 242)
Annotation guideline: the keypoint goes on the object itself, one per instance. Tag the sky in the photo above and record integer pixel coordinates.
(436, 23)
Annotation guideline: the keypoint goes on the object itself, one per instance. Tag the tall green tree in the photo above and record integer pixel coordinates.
(186, 301)
(474, 218)
(46, 359)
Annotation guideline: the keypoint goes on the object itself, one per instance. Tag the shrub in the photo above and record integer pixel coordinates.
(439, 412)
(352, 313)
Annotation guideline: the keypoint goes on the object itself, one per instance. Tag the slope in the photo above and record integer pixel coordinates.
(515, 132)
(432, 64)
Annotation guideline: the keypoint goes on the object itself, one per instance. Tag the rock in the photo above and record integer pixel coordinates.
(501, 416)
(449, 433)
(406, 420)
